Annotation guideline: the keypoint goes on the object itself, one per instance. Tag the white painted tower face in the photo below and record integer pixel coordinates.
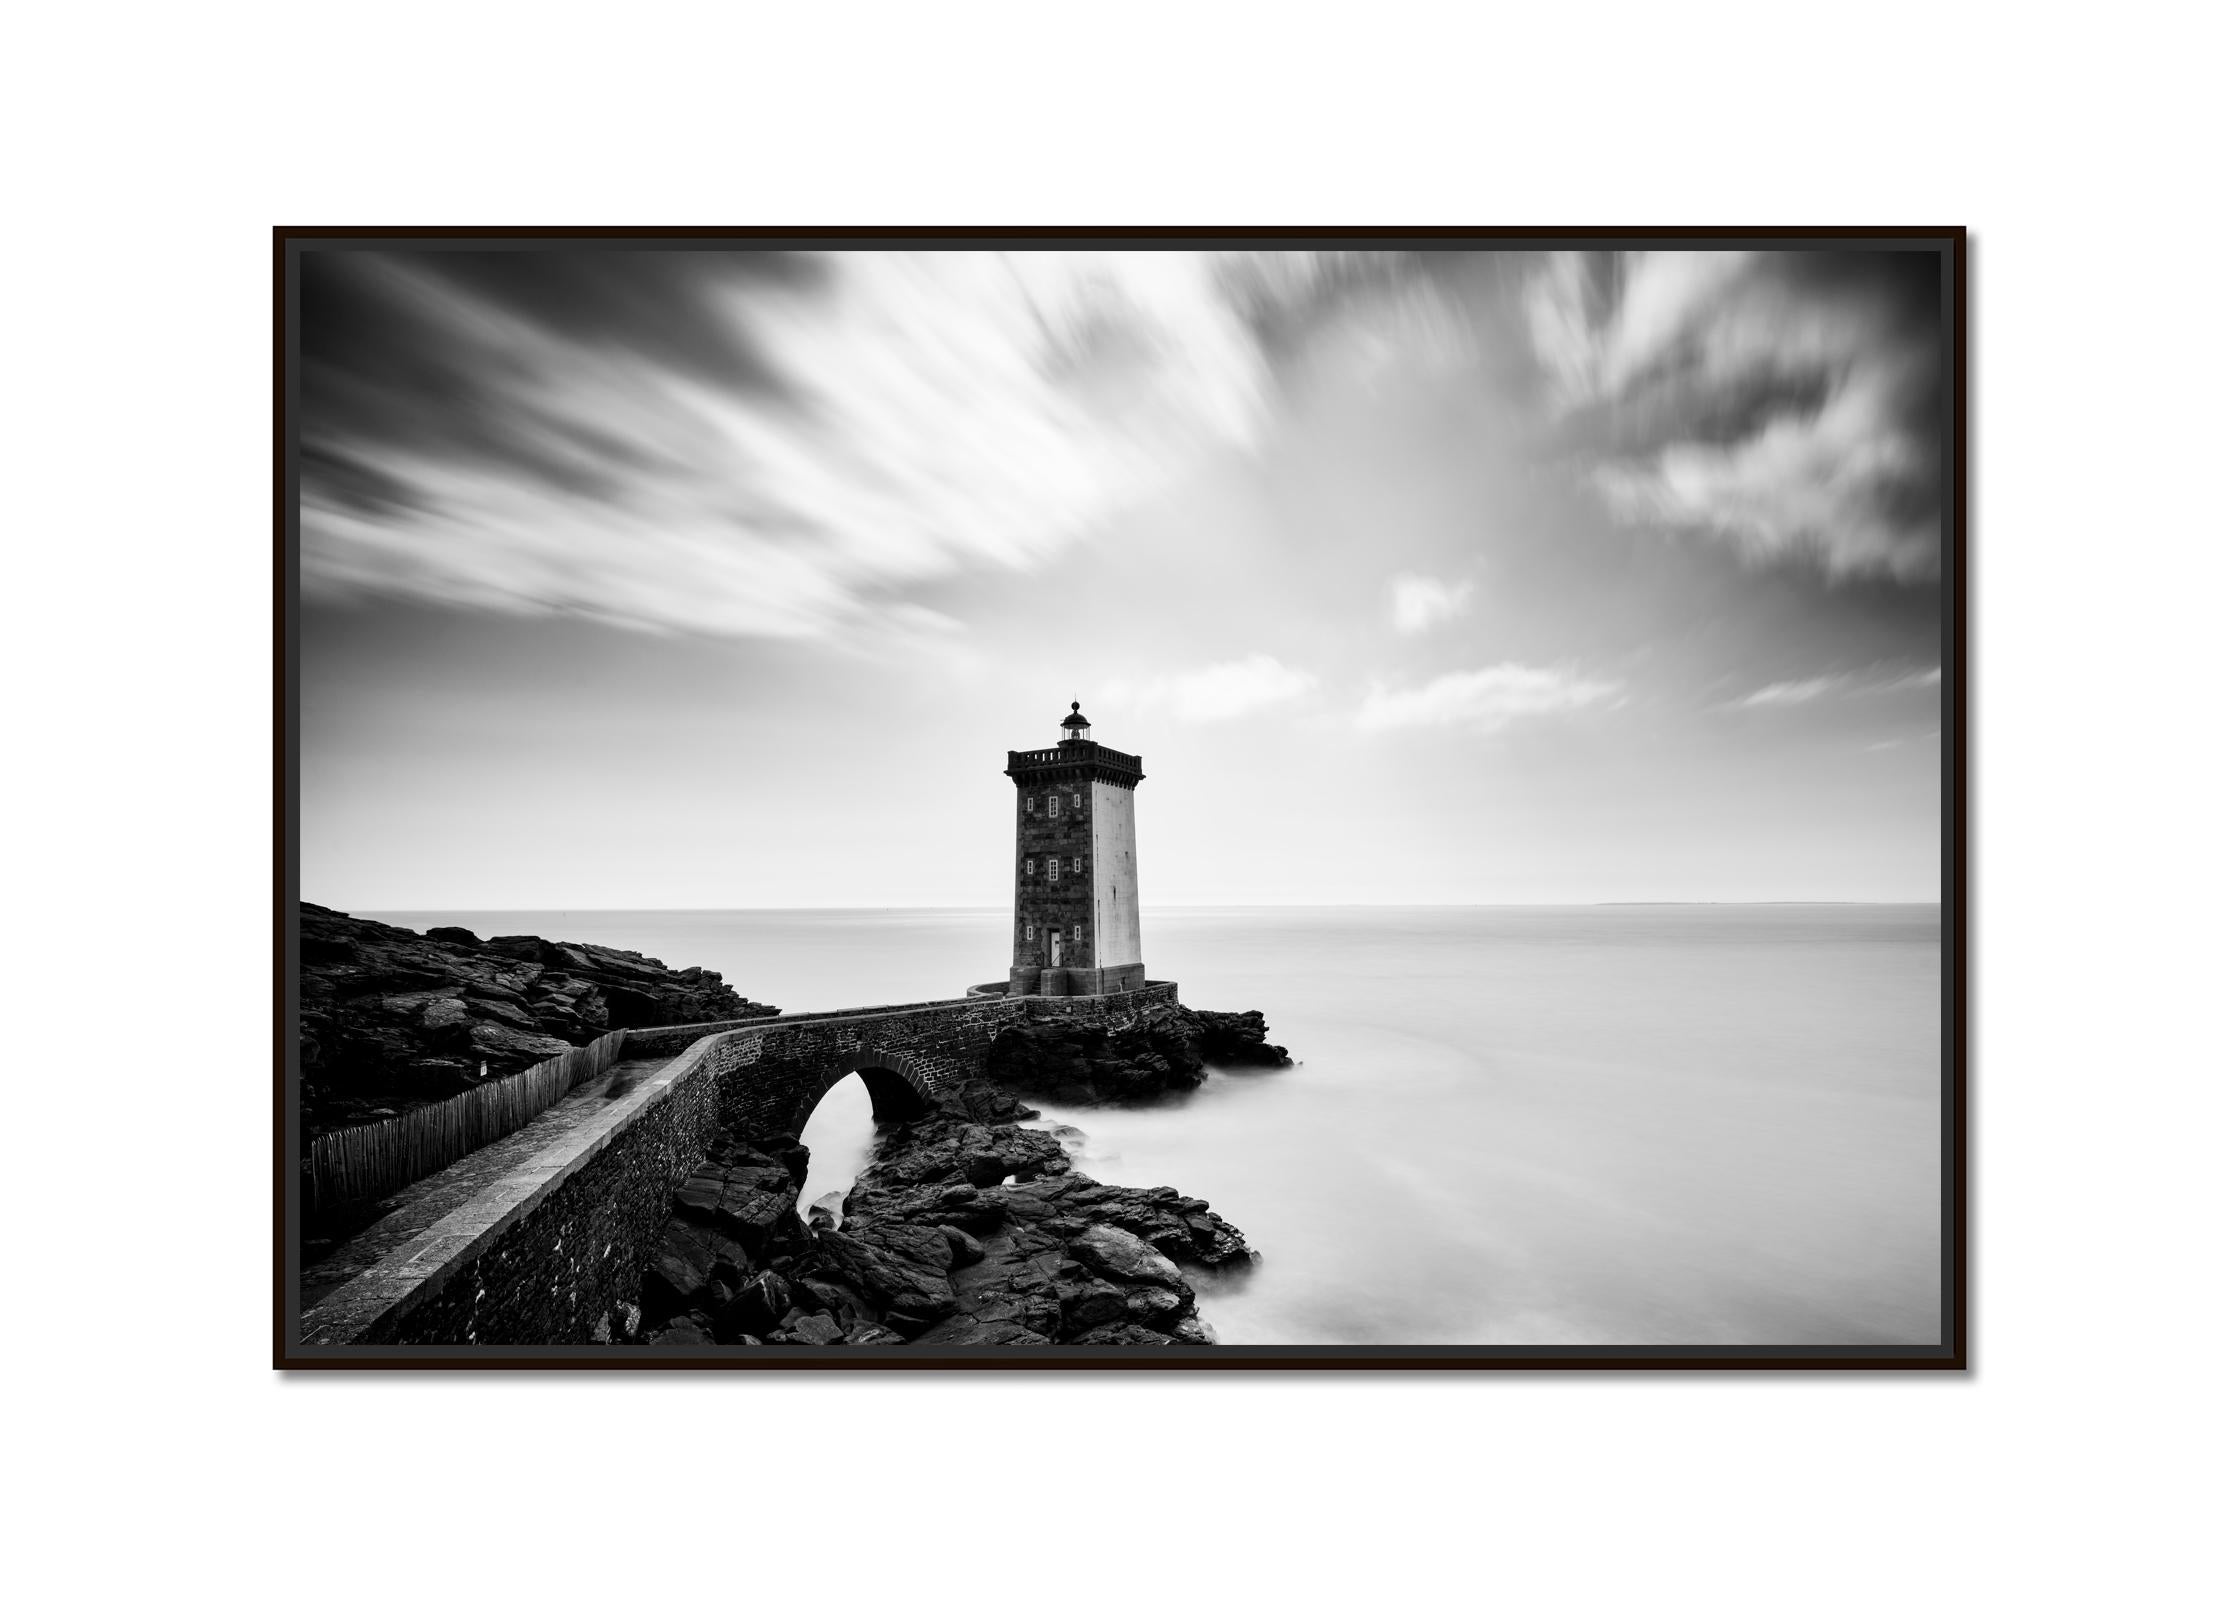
(1119, 917)
(1077, 925)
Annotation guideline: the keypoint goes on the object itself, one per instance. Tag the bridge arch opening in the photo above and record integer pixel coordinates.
(841, 1125)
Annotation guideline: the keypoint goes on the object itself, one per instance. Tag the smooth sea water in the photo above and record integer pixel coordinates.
(1665, 1124)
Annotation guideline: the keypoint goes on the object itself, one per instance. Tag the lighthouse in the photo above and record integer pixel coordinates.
(1078, 928)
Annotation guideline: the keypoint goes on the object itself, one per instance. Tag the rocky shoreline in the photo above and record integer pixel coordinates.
(967, 1228)
(393, 1019)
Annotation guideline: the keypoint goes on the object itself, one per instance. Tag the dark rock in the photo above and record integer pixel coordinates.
(928, 1247)
(907, 1294)
(760, 1305)
(815, 1328)
(790, 1154)
(959, 1331)
(1082, 1306)
(1161, 1052)
(1180, 1228)
(683, 1330)
(1156, 1306)
(489, 1010)
(1017, 1281)
(371, 1042)
(1123, 1258)
(843, 1304)
(685, 1264)
(753, 1201)
(1235, 1038)
(316, 949)
(984, 1102)
(1078, 1063)
(1124, 1333)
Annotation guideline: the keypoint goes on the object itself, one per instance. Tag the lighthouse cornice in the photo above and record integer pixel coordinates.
(1071, 761)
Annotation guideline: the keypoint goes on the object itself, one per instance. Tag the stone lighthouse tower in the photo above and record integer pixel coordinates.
(1078, 929)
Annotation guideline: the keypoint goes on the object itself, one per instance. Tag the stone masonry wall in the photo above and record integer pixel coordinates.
(1117, 1007)
(543, 1264)
(567, 1273)
(1044, 903)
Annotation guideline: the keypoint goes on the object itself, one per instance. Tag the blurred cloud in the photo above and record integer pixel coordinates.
(1486, 699)
(1872, 681)
(1783, 402)
(1790, 694)
(772, 445)
(1599, 325)
(1418, 602)
(1218, 692)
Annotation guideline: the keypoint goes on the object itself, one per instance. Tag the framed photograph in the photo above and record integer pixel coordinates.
(1139, 798)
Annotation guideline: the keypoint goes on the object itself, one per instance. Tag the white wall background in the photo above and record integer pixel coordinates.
(153, 147)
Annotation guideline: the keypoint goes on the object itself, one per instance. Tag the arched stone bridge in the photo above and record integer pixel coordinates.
(567, 1225)
(772, 1078)
(769, 1076)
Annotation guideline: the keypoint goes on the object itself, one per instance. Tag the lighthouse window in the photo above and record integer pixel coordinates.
(1077, 868)
(1077, 802)
(1053, 805)
(1077, 931)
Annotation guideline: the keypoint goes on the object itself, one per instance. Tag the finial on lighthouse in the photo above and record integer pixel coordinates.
(1076, 725)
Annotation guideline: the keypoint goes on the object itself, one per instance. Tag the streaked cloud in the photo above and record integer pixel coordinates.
(1216, 693)
(1419, 602)
(1784, 403)
(1599, 325)
(1486, 699)
(1799, 691)
(1790, 694)
(732, 443)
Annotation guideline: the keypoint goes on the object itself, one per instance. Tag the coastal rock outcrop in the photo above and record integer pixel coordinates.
(966, 1229)
(392, 1019)
(1163, 1052)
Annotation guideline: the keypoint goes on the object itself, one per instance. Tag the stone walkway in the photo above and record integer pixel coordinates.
(414, 1207)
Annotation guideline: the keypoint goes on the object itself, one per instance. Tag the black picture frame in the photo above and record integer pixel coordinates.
(1949, 1355)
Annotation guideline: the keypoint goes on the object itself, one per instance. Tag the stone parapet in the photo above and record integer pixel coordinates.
(1074, 758)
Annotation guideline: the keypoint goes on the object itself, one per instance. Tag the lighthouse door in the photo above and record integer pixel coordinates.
(1057, 949)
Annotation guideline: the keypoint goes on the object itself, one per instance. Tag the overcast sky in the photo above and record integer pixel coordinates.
(713, 579)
